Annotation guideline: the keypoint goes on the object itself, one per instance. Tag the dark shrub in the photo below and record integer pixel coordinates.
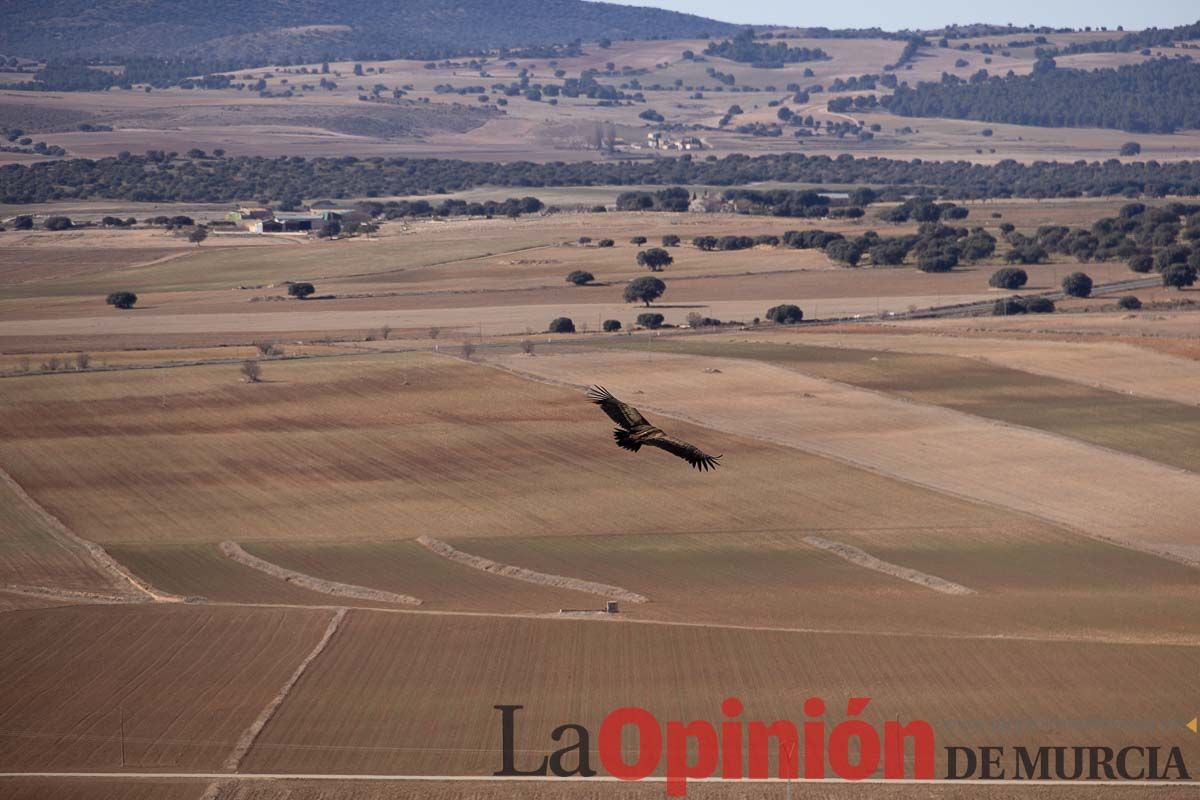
(58, 223)
(1039, 305)
(786, 314)
(605, 243)
(1143, 262)
(1007, 306)
(1129, 303)
(1179, 276)
(579, 277)
(1077, 284)
(301, 290)
(1008, 278)
(638, 240)
(611, 325)
(670, 240)
(561, 325)
(121, 299)
(650, 320)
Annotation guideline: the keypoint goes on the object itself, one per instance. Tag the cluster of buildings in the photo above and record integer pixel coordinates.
(260, 219)
(658, 140)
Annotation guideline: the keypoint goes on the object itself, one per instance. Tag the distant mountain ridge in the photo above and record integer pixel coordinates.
(313, 30)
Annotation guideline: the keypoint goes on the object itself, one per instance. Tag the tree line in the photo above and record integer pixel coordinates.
(167, 177)
(744, 49)
(1159, 96)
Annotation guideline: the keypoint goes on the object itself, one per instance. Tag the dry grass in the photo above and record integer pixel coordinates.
(1162, 430)
(389, 447)
(1096, 491)
(190, 679)
(1115, 366)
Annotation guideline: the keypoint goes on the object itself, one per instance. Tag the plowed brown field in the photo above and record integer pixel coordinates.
(189, 679)
(414, 694)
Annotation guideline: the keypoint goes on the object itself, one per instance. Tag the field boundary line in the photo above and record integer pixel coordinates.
(106, 562)
(825, 452)
(234, 552)
(71, 595)
(251, 734)
(865, 560)
(611, 619)
(529, 576)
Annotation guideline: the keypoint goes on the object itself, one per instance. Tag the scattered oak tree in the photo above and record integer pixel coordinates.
(785, 314)
(580, 277)
(611, 325)
(650, 320)
(122, 299)
(655, 259)
(644, 290)
(1008, 278)
(301, 290)
(1077, 284)
(562, 325)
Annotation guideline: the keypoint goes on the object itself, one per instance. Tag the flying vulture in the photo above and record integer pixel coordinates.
(635, 431)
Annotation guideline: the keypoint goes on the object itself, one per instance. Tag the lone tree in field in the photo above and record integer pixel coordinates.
(251, 371)
(562, 325)
(1129, 303)
(786, 314)
(611, 325)
(1179, 276)
(644, 290)
(605, 243)
(670, 240)
(1077, 284)
(198, 235)
(651, 321)
(638, 240)
(655, 259)
(1131, 149)
(580, 277)
(1008, 278)
(121, 299)
(301, 291)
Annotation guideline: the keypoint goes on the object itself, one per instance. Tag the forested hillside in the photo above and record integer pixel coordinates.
(310, 30)
(1160, 96)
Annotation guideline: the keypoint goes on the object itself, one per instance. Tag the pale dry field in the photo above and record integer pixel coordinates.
(390, 446)
(1114, 366)
(1106, 494)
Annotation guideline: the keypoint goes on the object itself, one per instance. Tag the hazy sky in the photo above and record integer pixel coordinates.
(894, 14)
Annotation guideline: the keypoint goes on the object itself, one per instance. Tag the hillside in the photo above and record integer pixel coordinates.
(1158, 96)
(308, 30)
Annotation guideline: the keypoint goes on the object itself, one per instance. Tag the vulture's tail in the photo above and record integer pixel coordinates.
(625, 440)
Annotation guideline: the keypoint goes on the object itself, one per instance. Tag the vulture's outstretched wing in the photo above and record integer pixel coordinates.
(688, 452)
(623, 414)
